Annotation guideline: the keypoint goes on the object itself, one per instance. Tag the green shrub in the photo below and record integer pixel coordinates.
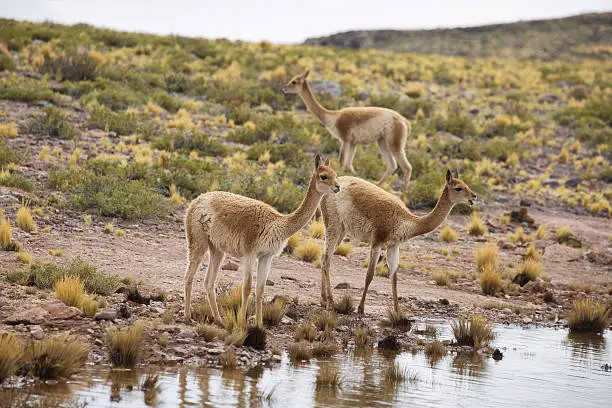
(15, 179)
(167, 102)
(189, 140)
(53, 122)
(122, 123)
(70, 65)
(406, 107)
(24, 89)
(10, 155)
(7, 63)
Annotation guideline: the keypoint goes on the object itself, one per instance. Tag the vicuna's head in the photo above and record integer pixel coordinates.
(294, 86)
(458, 191)
(325, 177)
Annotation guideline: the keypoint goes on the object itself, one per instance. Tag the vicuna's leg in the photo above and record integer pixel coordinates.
(389, 160)
(392, 263)
(374, 254)
(406, 167)
(401, 131)
(216, 258)
(333, 238)
(350, 155)
(263, 268)
(343, 147)
(197, 246)
(247, 279)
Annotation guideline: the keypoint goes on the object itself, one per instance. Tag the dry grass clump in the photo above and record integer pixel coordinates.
(228, 359)
(448, 234)
(70, 290)
(541, 232)
(397, 318)
(306, 331)
(394, 375)
(24, 257)
(25, 221)
(532, 253)
(316, 229)
(209, 332)
(475, 331)
(519, 236)
(564, 235)
(236, 337)
(490, 281)
(309, 251)
(324, 320)
(293, 242)
(163, 339)
(88, 305)
(273, 312)
(345, 305)
(124, 345)
(363, 337)
(435, 350)
(528, 270)
(56, 357)
(328, 377)
(299, 351)
(588, 316)
(11, 351)
(344, 249)
(324, 348)
(442, 278)
(5, 233)
(476, 227)
(486, 256)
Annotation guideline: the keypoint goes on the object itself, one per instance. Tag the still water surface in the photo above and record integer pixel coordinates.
(540, 367)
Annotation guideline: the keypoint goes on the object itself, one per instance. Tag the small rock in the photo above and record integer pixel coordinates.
(124, 312)
(507, 311)
(497, 355)
(187, 334)
(508, 245)
(58, 310)
(37, 332)
(269, 282)
(551, 183)
(215, 351)
(98, 342)
(342, 285)
(36, 315)
(601, 254)
(527, 320)
(287, 277)
(306, 285)
(444, 302)
(525, 202)
(572, 183)
(230, 266)
(287, 320)
(106, 314)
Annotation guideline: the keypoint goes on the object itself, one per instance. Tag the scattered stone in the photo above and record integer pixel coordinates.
(342, 285)
(58, 310)
(497, 355)
(215, 351)
(389, 343)
(187, 334)
(600, 253)
(36, 315)
(521, 216)
(444, 302)
(507, 245)
(269, 282)
(507, 310)
(306, 285)
(606, 367)
(525, 202)
(106, 314)
(37, 332)
(287, 320)
(124, 312)
(497, 225)
(230, 266)
(551, 183)
(535, 286)
(287, 277)
(527, 320)
(133, 295)
(572, 183)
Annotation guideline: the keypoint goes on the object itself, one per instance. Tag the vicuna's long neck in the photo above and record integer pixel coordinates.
(296, 220)
(433, 219)
(313, 105)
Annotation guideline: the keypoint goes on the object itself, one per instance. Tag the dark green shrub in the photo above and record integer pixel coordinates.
(115, 97)
(9, 154)
(189, 140)
(53, 122)
(7, 63)
(71, 65)
(24, 89)
(167, 102)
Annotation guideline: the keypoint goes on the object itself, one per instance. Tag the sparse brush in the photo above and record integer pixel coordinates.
(397, 318)
(299, 351)
(541, 232)
(344, 249)
(56, 357)
(209, 332)
(476, 227)
(588, 316)
(87, 220)
(448, 234)
(363, 337)
(345, 305)
(316, 229)
(325, 319)
(490, 281)
(5, 233)
(202, 312)
(24, 257)
(309, 251)
(486, 255)
(88, 305)
(435, 350)
(124, 345)
(519, 236)
(70, 290)
(563, 156)
(273, 312)
(394, 375)
(163, 339)
(475, 331)
(228, 359)
(25, 221)
(324, 348)
(564, 235)
(441, 278)
(168, 315)
(532, 253)
(293, 242)
(305, 331)
(328, 377)
(11, 351)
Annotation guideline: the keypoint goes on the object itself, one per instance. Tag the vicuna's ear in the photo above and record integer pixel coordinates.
(456, 174)
(317, 161)
(305, 75)
(449, 176)
(326, 162)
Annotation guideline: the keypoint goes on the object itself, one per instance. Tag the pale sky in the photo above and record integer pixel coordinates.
(288, 21)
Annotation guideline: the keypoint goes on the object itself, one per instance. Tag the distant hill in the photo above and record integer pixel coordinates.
(585, 35)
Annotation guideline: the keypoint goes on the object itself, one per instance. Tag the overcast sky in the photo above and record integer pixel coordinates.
(288, 21)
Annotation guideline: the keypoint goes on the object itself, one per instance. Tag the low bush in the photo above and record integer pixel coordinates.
(475, 331)
(52, 122)
(124, 345)
(56, 357)
(588, 316)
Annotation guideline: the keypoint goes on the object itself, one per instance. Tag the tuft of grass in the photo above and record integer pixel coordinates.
(163, 339)
(541, 232)
(344, 249)
(25, 221)
(124, 345)
(293, 242)
(476, 227)
(532, 253)
(394, 374)
(305, 331)
(309, 251)
(5, 233)
(486, 256)
(588, 316)
(210, 332)
(448, 234)
(168, 315)
(527, 270)
(475, 331)
(11, 351)
(363, 337)
(56, 357)
(87, 220)
(564, 236)
(328, 377)
(519, 236)
(442, 278)
(88, 305)
(299, 351)
(53, 122)
(273, 312)
(490, 281)
(24, 257)
(325, 320)
(236, 336)
(316, 229)
(397, 318)
(324, 348)
(70, 290)
(435, 350)
(228, 359)
(345, 305)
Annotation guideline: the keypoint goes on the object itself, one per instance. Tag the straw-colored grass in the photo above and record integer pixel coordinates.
(486, 256)
(363, 337)
(56, 357)
(305, 331)
(325, 319)
(476, 227)
(344, 249)
(328, 377)
(124, 345)
(448, 234)
(475, 331)
(273, 312)
(490, 281)
(309, 251)
(316, 229)
(70, 290)
(345, 305)
(11, 351)
(25, 221)
(210, 332)
(299, 351)
(293, 242)
(588, 316)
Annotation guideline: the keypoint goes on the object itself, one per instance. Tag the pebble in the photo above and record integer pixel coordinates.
(215, 351)
(37, 332)
(527, 320)
(106, 314)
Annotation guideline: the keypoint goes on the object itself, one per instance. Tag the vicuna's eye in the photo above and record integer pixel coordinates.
(323, 178)
(458, 189)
